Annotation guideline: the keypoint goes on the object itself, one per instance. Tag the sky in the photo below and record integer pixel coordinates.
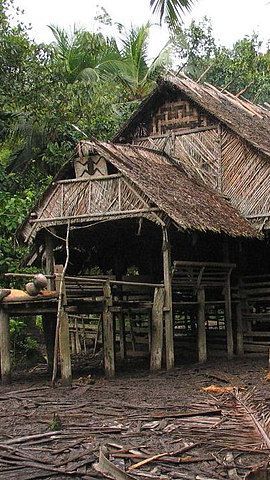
(231, 19)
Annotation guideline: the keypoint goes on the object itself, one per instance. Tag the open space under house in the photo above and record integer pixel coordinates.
(156, 244)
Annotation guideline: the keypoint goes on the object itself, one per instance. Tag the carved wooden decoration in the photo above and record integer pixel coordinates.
(90, 166)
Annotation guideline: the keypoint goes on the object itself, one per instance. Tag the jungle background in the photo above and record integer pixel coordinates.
(86, 84)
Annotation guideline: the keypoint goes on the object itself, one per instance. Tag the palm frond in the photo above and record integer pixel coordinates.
(161, 61)
(173, 9)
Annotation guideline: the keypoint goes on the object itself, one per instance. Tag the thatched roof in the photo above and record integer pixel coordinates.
(191, 205)
(250, 121)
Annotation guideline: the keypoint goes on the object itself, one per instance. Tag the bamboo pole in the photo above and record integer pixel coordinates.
(5, 347)
(94, 215)
(168, 313)
(87, 280)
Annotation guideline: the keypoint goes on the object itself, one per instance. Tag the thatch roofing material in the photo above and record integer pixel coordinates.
(250, 121)
(191, 205)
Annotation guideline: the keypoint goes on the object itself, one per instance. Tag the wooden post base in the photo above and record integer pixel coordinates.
(157, 330)
(122, 335)
(201, 333)
(49, 326)
(108, 333)
(168, 311)
(64, 348)
(239, 331)
(228, 321)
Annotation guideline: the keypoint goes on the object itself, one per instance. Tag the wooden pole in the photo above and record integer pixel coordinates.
(228, 319)
(239, 330)
(49, 260)
(122, 335)
(62, 318)
(64, 349)
(5, 347)
(108, 333)
(168, 313)
(228, 302)
(201, 331)
(63, 331)
(157, 330)
(49, 321)
(49, 326)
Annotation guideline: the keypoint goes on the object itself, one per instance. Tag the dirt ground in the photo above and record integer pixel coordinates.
(57, 433)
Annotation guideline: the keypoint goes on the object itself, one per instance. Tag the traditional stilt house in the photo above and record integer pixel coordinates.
(162, 233)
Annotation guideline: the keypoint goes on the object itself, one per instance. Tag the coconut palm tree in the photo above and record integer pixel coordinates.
(133, 70)
(171, 9)
(82, 55)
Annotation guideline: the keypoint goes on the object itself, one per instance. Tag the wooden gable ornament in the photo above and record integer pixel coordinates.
(89, 164)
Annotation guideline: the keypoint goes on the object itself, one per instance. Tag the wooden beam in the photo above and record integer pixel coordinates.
(108, 333)
(168, 312)
(179, 133)
(89, 216)
(183, 263)
(89, 179)
(157, 330)
(5, 347)
(201, 331)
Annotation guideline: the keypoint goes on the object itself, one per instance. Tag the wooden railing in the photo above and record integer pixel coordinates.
(252, 297)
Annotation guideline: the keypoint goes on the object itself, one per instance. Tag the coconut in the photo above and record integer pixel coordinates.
(40, 281)
(32, 289)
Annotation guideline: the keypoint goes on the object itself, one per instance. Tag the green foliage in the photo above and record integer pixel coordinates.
(245, 67)
(82, 55)
(24, 347)
(56, 424)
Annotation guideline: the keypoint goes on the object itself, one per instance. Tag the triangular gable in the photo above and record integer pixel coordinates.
(108, 197)
(249, 121)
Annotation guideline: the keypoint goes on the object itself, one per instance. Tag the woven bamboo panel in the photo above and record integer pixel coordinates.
(200, 152)
(177, 114)
(245, 178)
